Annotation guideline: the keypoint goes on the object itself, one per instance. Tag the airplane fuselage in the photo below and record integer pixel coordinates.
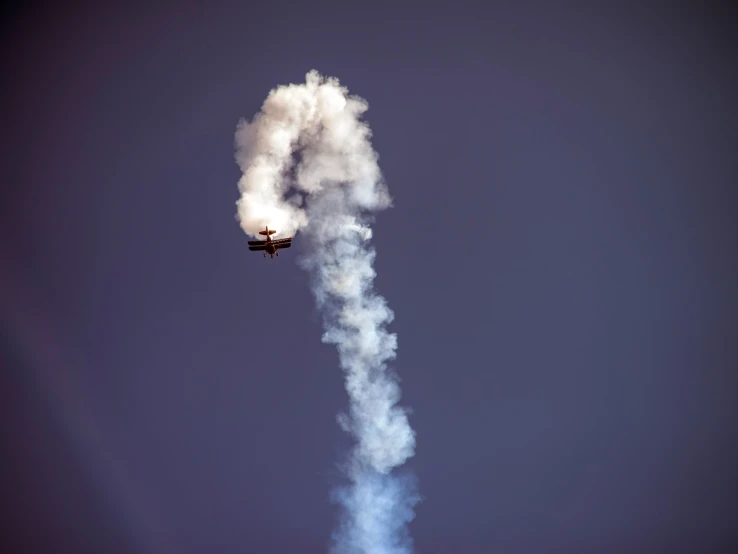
(269, 247)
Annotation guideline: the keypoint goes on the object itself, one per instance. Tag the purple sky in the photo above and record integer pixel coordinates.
(561, 260)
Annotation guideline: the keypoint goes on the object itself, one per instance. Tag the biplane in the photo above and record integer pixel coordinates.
(270, 246)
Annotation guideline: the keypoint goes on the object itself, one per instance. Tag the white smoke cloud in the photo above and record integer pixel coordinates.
(321, 123)
(308, 165)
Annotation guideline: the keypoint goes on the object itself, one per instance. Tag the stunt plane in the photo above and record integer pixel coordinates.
(271, 246)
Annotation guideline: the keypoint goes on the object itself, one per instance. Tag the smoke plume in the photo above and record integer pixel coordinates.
(308, 166)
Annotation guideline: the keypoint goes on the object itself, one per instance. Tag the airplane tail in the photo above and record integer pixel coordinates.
(267, 232)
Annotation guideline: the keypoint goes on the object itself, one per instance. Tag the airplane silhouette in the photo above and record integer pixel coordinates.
(269, 245)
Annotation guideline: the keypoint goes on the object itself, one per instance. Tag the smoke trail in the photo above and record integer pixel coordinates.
(308, 165)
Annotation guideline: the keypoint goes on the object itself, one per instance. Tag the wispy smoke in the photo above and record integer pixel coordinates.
(308, 165)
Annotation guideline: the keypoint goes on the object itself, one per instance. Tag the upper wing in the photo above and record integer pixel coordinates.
(280, 241)
(282, 245)
(261, 247)
(256, 242)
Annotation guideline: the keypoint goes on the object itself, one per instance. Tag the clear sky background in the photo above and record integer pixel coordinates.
(561, 259)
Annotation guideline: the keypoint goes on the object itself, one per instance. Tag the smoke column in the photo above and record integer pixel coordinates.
(308, 165)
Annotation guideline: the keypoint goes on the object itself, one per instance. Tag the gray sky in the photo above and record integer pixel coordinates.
(560, 257)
